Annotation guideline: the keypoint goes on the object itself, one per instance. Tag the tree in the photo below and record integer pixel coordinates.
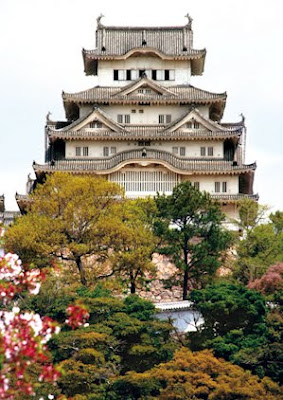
(122, 335)
(71, 214)
(193, 376)
(188, 223)
(239, 328)
(131, 258)
(262, 243)
(74, 218)
(271, 281)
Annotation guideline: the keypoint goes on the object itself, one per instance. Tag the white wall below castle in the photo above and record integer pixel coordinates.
(149, 115)
(106, 68)
(192, 148)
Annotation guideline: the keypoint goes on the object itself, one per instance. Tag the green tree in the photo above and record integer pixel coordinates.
(188, 223)
(122, 335)
(238, 326)
(70, 217)
(132, 252)
(262, 243)
(86, 221)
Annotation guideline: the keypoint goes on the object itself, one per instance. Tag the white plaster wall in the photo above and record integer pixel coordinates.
(207, 183)
(150, 113)
(96, 147)
(84, 110)
(105, 70)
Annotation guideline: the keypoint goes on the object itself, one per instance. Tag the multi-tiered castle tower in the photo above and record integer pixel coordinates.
(143, 125)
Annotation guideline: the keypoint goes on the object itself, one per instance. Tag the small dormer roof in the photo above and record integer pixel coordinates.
(94, 114)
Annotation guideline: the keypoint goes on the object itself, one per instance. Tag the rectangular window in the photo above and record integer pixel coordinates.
(161, 119)
(128, 74)
(134, 74)
(217, 187)
(168, 118)
(133, 111)
(189, 125)
(141, 72)
(148, 73)
(141, 111)
(224, 187)
(166, 75)
(196, 185)
(95, 124)
(144, 143)
(175, 150)
(160, 75)
(85, 151)
(106, 151)
(123, 119)
(116, 75)
(202, 151)
(121, 75)
(196, 125)
(182, 151)
(78, 151)
(153, 74)
(210, 151)
(113, 150)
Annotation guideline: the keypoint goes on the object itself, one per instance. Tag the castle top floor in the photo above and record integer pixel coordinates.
(172, 43)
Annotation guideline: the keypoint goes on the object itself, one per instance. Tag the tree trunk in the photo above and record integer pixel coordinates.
(186, 272)
(81, 269)
(133, 284)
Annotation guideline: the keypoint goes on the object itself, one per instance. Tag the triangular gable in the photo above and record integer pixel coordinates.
(95, 115)
(146, 83)
(195, 116)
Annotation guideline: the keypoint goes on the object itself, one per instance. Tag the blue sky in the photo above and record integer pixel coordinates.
(40, 48)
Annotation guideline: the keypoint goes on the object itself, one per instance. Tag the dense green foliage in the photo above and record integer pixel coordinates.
(188, 223)
(262, 243)
(79, 219)
(239, 329)
(125, 352)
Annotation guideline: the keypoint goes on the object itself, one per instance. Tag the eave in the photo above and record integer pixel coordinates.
(92, 57)
(181, 95)
(183, 166)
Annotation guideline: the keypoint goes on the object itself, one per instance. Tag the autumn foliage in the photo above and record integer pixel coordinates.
(271, 281)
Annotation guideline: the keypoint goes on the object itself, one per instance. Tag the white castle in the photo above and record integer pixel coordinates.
(143, 125)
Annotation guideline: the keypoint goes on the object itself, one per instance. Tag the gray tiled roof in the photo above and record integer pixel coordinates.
(186, 93)
(120, 40)
(179, 164)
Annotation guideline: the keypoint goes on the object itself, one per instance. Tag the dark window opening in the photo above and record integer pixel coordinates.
(128, 75)
(153, 74)
(166, 77)
(116, 75)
